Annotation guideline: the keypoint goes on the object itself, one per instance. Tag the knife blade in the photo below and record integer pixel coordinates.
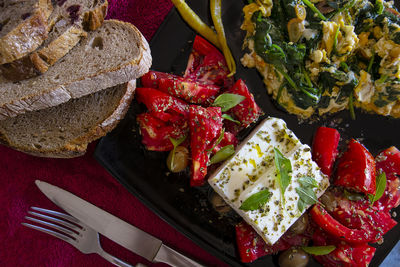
(117, 230)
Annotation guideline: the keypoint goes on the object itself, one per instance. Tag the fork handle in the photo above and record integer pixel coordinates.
(114, 260)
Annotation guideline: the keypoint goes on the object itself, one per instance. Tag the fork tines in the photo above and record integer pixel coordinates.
(56, 223)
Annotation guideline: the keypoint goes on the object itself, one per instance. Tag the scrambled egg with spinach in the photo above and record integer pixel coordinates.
(320, 56)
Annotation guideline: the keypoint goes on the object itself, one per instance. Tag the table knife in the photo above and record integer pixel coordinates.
(117, 230)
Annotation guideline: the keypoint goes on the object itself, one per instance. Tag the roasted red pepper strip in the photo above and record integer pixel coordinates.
(391, 197)
(330, 225)
(388, 161)
(205, 125)
(160, 102)
(187, 89)
(324, 148)
(360, 215)
(156, 133)
(356, 169)
(152, 78)
(251, 246)
(207, 65)
(344, 254)
(246, 111)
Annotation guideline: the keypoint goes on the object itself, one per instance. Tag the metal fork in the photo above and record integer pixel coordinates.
(72, 231)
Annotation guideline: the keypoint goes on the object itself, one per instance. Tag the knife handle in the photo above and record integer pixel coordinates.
(167, 255)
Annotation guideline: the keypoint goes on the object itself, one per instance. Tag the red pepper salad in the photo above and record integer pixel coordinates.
(353, 212)
(201, 111)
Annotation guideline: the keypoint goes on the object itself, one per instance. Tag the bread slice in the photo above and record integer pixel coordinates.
(69, 22)
(113, 54)
(66, 130)
(23, 27)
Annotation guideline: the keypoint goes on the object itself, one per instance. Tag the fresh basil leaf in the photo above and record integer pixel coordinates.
(301, 205)
(222, 154)
(306, 193)
(319, 250)
(227, 101)
(353, 196)
(256, 200)
(221, 135)
(307, 181)
(229, 118)
(175, 143)
(284, 170)
(307, 197)
(380, 188)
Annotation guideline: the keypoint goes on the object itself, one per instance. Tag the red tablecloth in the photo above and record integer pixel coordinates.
(84, 177)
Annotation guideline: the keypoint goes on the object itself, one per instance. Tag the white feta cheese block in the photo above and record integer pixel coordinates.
(252, 169)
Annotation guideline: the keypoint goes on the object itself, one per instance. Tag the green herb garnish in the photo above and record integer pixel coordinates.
(221, 136)
(319, 250)
(380, 188)
(284, 170)
(306, 193)
(175, 143)
(227, 101)
(222, 154)
(229, 118)
(256, 200)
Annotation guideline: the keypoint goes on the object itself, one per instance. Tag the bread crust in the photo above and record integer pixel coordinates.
(78, 146)
(28, 35)
(84, 86)
(39, 61)
(95, 18)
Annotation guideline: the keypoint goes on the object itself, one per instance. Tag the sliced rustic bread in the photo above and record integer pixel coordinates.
(66, 130)
(23, 27)
(113, 54)
(69, 22)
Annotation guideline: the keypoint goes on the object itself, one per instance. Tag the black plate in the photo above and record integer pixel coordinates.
(187, 209)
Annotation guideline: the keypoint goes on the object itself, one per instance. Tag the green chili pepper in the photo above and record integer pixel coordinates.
(196, 23)
(215, 6)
